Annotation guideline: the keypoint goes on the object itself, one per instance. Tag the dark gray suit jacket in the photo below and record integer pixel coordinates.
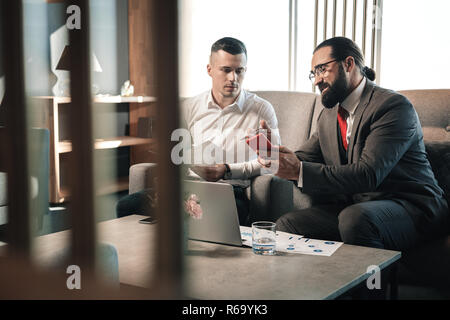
(386, 158)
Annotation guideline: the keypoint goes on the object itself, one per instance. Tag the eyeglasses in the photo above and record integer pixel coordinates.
(319, 70)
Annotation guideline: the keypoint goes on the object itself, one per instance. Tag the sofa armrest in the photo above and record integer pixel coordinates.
(270, 198)
(39, 141)
(142, 176)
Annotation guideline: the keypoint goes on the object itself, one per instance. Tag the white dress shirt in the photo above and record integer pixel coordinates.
(350, 104)
(213, 127)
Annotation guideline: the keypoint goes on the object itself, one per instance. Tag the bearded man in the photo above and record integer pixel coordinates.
(366, 161)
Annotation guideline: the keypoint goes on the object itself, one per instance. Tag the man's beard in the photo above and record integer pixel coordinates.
(336, 92)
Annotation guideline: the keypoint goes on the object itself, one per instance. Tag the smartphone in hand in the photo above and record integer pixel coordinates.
(260, 143)
(149, 220)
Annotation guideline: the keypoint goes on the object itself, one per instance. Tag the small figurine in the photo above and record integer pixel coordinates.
(127, 89)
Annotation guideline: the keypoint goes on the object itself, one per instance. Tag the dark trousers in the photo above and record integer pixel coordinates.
(242, 205)
(379, 224)
(141, 203)
(135, 203)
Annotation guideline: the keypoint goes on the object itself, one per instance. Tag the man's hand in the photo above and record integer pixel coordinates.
(266, 130)
(283, 162)
(210, 173)
(263, 128)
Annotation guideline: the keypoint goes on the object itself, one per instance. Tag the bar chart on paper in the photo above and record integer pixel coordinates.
(294, 243)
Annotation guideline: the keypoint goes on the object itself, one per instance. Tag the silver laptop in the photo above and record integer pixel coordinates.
(212, 212)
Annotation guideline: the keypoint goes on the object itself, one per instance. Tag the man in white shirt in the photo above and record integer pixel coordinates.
(218, 121)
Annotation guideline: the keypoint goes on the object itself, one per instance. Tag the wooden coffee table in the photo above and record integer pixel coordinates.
(214, 271)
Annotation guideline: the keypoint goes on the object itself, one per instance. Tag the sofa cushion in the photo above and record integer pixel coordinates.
(271, 197)
(141, 177)
(439, 157)
(435, 134)
(295, 111)
(34, 188)
(430, 262)
(432, 108)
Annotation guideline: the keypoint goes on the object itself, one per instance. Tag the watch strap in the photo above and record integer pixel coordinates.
(227, 174)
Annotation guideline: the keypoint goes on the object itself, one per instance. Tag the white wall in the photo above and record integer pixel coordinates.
(415, 44)
(262, 25)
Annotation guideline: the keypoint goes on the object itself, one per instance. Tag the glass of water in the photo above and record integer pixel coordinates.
(263, 237)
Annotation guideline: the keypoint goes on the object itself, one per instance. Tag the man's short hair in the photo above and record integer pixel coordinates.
(231, 45)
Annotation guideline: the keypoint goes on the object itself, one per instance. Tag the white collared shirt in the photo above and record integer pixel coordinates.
(350, 104)
(211, 126)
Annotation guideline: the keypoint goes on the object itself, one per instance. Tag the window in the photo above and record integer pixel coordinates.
(263, 25)
(415, 46)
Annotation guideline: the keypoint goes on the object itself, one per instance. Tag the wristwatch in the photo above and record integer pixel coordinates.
(227, 174)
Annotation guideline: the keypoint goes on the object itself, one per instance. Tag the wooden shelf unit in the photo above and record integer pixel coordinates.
(110, 143)
(47, 116)
(119, 185)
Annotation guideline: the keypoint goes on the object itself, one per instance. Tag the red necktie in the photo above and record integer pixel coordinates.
(342, 120)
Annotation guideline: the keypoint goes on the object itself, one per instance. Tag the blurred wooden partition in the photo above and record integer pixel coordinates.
(16, 147)
(19, 279)
(141, 40)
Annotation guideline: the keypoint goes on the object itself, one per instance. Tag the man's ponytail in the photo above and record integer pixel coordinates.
(369, 73)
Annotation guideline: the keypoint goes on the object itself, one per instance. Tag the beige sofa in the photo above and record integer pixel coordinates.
(39, 169)
(297, 114)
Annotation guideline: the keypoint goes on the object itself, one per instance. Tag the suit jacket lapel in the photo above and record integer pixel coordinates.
(365, 98)
(332, 136)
